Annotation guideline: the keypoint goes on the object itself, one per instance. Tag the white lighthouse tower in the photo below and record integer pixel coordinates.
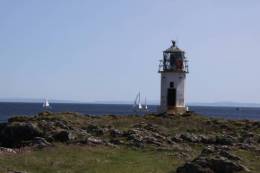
(173, 69)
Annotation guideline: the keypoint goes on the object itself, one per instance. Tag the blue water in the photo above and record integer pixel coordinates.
(8, 110)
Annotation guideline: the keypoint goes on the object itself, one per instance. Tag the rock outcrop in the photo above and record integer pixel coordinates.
(213, 160)
(178, 134)
(12, 135)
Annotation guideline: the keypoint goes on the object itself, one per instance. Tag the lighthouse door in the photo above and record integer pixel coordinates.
(171, 97)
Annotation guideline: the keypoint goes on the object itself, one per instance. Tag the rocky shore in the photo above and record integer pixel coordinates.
(203, 145)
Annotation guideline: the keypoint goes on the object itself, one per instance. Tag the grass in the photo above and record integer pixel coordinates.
(251, 159)
(84, 159)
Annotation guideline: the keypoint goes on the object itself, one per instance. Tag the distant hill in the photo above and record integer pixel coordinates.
(225, 104)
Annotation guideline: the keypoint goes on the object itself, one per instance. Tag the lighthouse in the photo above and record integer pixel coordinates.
(173, 69)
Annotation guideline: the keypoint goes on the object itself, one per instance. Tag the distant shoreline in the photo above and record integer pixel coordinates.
(10, 109)
(104, 103)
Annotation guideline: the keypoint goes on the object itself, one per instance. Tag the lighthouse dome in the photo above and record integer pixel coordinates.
(173, 48)
(174, 60)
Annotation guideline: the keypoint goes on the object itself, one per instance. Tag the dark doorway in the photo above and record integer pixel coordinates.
(171, 84)
(171, 97)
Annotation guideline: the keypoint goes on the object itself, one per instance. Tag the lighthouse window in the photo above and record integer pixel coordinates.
(171, 84)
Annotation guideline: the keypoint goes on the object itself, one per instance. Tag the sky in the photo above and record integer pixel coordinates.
(85, 50)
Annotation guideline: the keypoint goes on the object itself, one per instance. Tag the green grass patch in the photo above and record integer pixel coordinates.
(81, 159)
(250, 159)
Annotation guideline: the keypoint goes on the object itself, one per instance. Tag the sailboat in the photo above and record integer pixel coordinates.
(138, 107)
(145, 105)
(137, 103)
(46, 104)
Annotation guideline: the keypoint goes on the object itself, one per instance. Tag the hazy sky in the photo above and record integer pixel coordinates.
(109, 50)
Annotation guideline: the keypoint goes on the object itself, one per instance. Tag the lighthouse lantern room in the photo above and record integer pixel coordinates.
(173, 69)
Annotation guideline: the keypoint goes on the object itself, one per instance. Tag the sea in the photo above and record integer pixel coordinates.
(8, 110)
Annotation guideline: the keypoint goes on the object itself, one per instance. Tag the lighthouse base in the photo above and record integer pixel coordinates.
(174, 110)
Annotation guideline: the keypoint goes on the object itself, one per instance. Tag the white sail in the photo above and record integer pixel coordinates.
(140, 106)
(136, 100)
(46, 104)
(137, 103)
(145, 104)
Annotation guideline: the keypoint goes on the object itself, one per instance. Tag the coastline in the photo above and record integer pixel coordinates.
(180, 139)
(8, 110)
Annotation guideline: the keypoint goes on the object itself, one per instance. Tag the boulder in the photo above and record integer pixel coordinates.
(193, 138)
(147, 126)
(64, 136)
(116, 133)
(228, 155)
(61, 125)
(47, 126)
(225, 140)
(95, 141)
(207, 139)
(138, 137)
(177, 138)
(135, 138)
(40, 142)
(211, 165)
(13, 134)
(7, 150)
(190, 137)
(190, 167)
(95, 130)
(213, 160)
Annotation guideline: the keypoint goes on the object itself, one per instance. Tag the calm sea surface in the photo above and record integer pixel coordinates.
(8, 110)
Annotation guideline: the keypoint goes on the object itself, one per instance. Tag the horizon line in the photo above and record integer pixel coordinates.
(153, 102)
